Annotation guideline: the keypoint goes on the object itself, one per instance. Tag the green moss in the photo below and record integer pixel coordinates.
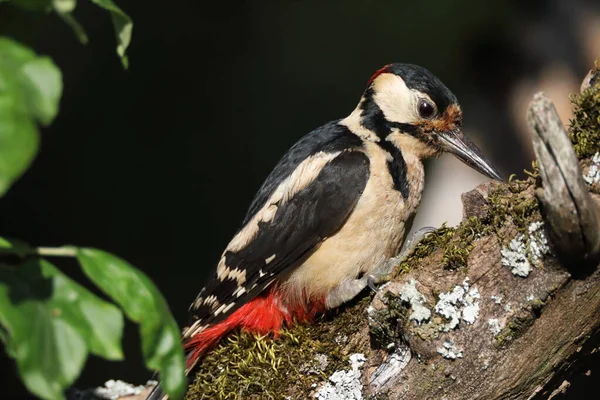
(429, 330)
(511, 331)
(513, 203)
(458, 249)
(385, 325)
(246, 366)
(436, 240)
(585, 127)
(517, 326)
(508, 203)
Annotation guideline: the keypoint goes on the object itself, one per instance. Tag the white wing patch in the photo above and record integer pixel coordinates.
(193, 329)
(268, 260)
(224, 308)
(302, 176)
(224, 273)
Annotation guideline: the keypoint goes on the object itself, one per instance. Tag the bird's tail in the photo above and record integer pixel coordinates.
(156, 393)
(264, 314)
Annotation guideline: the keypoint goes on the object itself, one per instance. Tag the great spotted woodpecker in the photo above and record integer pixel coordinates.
(334, 209)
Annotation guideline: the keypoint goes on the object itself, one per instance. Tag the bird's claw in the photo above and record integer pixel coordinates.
(371, 281)
(384, 273)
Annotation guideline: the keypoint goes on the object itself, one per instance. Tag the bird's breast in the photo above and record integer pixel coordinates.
(373, 233)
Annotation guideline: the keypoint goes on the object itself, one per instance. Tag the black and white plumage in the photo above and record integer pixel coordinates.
(306, 198)
(334, 209)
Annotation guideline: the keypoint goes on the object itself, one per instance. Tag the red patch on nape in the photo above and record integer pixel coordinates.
(262, 315)
(379, 72)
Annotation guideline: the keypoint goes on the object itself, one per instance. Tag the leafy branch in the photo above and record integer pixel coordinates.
(49, 323)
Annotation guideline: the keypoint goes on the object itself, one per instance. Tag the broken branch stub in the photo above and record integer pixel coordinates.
(572, 217)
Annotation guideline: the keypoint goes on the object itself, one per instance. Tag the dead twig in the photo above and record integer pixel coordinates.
(570, 213)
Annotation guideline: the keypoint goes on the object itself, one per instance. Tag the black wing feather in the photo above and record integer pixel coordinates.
(299, 226)
(329, 138)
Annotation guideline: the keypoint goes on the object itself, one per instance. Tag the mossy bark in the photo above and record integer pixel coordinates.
(525, 340)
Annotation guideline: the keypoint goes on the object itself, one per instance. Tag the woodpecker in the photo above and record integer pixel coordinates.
(333, 211)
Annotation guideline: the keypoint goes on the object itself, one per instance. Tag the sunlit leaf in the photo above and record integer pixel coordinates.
(142, 302)
(122, 24)
(50, 323)
(64, 6)
(30, 90)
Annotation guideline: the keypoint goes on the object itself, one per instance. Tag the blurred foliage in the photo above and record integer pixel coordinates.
(49, 324)
(585, 126)
(52, 323)
(30, 89)
(159, 332)
(122, 23)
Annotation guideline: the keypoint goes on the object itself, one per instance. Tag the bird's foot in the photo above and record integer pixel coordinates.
(345, 291)
(385, 271)
(350, 288)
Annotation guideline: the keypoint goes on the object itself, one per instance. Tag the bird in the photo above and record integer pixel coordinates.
(333, 211)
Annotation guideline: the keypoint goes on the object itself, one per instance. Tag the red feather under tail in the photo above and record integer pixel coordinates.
(262, 315)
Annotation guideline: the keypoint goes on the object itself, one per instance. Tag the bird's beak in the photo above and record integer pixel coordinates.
(455, 142)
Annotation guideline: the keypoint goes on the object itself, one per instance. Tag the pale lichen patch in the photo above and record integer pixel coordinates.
(461, 302)
(530, 297)
(345, 385)
(538, 242)
(449, 351)
(410, 294)
(514, 256)
(494, 325)
(470, 311)
(114, 389)
(593, 174)
(523, 251)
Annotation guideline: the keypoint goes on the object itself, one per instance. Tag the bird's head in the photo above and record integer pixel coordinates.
(410, 107)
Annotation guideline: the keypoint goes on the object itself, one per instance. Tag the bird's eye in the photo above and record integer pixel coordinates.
(426, 109)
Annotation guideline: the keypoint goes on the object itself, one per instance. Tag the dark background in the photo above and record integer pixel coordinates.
(158, 163)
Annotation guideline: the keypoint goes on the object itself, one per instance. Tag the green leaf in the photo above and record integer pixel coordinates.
(77, 28)
(30, 90)
(51, 323)
(123, 26)
(64, 9)
(142, 302)
(14, 246)
(64, 6)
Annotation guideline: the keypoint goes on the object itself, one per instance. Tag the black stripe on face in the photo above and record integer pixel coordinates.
(396, 167)
(371, 116)
(412, 130)
(373, 119)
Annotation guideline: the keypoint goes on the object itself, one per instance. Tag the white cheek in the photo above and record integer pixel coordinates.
(395, 99)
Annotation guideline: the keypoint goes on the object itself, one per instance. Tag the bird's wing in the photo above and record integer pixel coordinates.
(311, 204)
